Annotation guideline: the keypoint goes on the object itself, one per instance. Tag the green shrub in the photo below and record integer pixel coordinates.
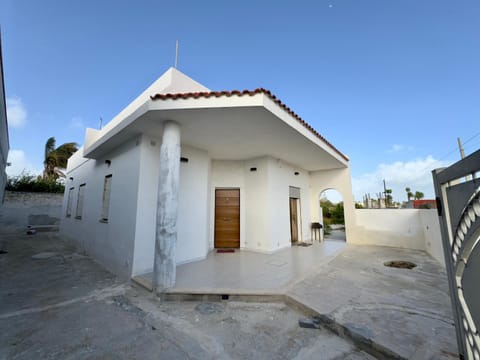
(29, 183)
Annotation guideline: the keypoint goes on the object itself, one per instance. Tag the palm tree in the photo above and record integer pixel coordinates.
(388, 197)
(409, 193)
(56, 158)
(418, 195)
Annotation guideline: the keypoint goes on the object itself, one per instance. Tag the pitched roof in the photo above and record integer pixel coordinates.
(208, 94)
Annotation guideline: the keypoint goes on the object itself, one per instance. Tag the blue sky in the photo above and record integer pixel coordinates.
(391, 83)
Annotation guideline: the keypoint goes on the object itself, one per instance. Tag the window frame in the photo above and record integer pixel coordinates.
(106, 195)
(68, 210)
(80, 201)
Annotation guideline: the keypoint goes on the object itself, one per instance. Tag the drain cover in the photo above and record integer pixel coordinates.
(401, 264)
(209, 308)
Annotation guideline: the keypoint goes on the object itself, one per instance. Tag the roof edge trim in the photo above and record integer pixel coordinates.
(216, 94)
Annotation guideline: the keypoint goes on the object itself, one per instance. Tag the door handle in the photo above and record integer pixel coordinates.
(226, 219)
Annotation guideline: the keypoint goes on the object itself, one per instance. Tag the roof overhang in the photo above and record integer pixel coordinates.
(233, 127)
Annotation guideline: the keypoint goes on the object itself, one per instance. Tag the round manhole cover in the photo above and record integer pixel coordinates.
(401, 264)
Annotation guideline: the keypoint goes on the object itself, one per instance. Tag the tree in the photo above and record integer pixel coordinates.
(388, 197)
(56, 158)
(337, 214)
(409, 193)
(326, 205)
(418, 195)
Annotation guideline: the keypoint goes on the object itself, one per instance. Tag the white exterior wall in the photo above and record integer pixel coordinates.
(257, 205)
(227, 174)
(340, 180)
(125, 245)
(193, 206)
(264, 201)
(146, 208)
(110, 243)
(282, 176)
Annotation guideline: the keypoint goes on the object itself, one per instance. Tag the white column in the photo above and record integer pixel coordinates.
(164, 267)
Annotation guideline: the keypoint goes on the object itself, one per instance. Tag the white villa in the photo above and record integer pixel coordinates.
(238, 169)
(183, 170)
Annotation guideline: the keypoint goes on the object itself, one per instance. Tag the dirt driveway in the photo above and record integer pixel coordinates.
(58, 304)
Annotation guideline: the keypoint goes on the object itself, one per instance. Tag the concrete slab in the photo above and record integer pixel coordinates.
(246, 272)
(401, 311)
(391, 312)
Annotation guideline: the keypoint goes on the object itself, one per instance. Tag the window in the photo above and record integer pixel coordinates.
(81, 195)
(107, 185)
(69, 202)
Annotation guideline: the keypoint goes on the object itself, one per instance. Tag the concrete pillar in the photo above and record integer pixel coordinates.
(164, 267)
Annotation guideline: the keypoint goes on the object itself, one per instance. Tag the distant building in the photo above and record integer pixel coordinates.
(4, 144)
(425, 204)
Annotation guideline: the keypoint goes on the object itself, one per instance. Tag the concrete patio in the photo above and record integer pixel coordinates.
(246, 272)
(389, 312)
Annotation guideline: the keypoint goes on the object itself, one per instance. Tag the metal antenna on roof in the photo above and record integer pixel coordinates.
(176, 54)
(101, 122)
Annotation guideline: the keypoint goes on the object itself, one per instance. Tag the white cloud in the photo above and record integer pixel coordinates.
(396, 148)
(19, 163)
(77, 122)
(415, 174)
(16, 112)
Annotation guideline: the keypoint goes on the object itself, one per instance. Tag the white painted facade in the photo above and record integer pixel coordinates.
(247, 142)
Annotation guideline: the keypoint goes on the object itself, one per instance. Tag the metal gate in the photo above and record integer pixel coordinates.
(458, 196)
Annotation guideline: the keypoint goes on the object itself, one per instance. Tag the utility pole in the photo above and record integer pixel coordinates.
(462, 155)
(460, 147)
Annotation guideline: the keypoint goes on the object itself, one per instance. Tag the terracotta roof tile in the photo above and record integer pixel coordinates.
(208, 94)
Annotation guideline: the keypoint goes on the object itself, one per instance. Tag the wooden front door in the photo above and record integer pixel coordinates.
(227, 218)
(293, 220)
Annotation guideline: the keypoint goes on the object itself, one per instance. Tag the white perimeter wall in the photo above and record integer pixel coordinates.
(433, 236)
(404, 228)
(110, 243)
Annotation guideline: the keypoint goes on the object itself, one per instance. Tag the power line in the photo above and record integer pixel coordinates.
(456, 148)
(450, 153)
(473, 137)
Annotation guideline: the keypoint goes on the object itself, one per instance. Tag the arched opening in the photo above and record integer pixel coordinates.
(332, 215)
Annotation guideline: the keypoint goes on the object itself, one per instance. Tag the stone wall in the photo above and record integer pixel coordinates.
(21, 209)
